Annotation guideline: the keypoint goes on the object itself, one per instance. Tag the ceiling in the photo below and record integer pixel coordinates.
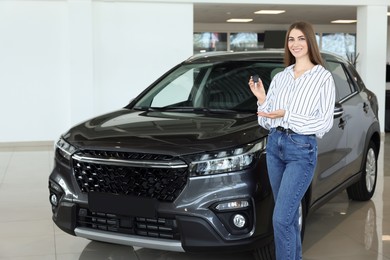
(315, 14)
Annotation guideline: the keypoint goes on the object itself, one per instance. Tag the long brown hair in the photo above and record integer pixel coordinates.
(313, 50)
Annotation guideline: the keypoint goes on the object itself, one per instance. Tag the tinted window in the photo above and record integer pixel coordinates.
(212, 86)
(356, 78)
(343, 83)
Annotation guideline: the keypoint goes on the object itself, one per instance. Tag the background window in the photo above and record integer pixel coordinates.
(343, 44)
(210, 41)
(246, 41)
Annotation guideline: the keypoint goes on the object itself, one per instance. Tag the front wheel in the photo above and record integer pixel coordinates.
(364, 189)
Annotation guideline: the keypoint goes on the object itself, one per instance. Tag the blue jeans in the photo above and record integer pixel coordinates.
(291, 161)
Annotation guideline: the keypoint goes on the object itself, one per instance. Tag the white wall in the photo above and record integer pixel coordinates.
(33, 99)
(372, 52)
(65, 61)
(134, 45)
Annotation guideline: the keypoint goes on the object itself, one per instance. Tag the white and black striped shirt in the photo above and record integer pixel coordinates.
(308, 101)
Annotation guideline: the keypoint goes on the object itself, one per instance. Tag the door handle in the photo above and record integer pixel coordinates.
(342, 123)
(366, 107)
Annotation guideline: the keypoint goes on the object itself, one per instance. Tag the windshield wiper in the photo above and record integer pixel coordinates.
(183, 109)
(193, 109)
(167, 108)
(198, 109)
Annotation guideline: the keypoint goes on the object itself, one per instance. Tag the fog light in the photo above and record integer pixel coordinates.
(54, 200)
(239, 221)
(239, 204)
(54, 186)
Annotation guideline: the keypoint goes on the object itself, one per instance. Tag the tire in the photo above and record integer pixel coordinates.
(267, 252)
(364, 189)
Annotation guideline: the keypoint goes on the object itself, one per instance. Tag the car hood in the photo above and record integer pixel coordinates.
(170, 133)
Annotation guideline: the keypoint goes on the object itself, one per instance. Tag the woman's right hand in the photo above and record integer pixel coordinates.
(257, 90)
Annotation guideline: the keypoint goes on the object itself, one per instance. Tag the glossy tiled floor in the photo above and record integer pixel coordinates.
(341, 229)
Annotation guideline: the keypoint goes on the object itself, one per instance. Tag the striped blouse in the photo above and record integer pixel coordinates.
(308, 101)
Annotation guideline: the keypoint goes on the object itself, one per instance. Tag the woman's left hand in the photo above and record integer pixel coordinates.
(274, 114)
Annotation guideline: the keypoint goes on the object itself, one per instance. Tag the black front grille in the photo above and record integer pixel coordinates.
(161, 183)
(126, 155)
(149, 227)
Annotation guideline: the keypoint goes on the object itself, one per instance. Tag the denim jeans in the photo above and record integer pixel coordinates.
(291, 161)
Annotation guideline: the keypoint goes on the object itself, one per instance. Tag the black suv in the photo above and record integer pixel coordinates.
(183, 168)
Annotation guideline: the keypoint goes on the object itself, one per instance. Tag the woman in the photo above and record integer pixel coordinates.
(297, 108)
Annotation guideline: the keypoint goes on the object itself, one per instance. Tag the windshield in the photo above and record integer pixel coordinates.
(209, 87)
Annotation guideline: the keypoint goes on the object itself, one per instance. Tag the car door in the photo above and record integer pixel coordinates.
(334, 146)
(361, 114)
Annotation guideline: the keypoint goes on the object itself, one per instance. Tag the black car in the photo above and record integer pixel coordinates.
(183, 168)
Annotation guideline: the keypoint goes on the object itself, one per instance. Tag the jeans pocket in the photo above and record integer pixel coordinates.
(300, 140)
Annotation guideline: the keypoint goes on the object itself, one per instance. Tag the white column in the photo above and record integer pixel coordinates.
(80, 69)
(371, 46)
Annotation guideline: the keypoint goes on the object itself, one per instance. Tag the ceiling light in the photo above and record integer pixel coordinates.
(388, 13)
(344, 21)
(239, 20)
(270, 12)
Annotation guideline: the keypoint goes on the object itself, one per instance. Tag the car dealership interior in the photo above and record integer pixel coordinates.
(66, 61)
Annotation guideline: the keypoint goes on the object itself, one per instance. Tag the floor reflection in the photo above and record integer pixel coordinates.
(342, 227)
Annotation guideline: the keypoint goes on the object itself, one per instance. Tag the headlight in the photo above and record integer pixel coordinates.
(226, 161)
(65, 149)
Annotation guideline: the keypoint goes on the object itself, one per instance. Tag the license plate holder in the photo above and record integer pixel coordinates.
(122, 204)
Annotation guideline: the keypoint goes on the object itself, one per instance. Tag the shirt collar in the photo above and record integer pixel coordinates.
(290, 70)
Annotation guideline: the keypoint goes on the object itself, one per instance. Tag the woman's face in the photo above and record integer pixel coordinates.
(297, 44)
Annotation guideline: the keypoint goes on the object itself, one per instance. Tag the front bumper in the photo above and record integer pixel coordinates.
(195, 234)
(190, 223)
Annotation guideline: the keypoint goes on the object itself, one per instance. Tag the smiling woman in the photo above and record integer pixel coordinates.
(297, 108)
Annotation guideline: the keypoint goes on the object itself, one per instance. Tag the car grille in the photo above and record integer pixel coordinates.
(149, 227)
(143, 175)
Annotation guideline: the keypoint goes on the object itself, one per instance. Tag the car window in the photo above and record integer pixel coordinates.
(177, 91)
(227, 86)
(344, 86)
(174, 88)
(356, 77)
(211, 86)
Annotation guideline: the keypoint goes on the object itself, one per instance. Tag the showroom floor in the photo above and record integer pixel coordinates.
(341, 229)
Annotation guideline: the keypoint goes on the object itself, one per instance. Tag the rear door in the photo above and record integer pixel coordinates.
(361, 116)
(335, 147)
